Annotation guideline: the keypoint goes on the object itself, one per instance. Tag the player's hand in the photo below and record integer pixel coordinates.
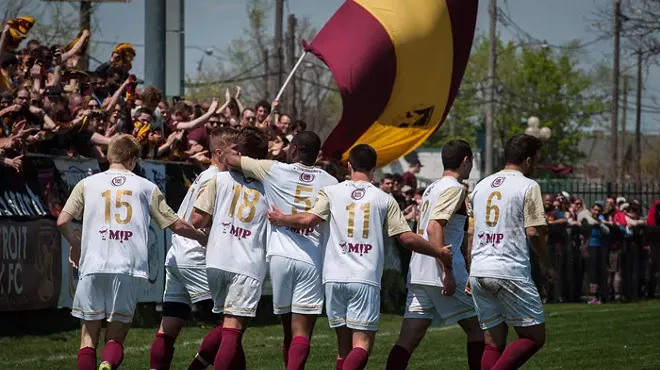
(446, 256)
(468, 288)
(274, 215)
(449, 283)
(551, 275)
(74, 256)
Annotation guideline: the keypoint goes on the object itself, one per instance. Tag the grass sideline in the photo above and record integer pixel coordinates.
(614, 336)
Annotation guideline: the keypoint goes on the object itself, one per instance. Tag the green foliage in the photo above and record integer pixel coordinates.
(531, 81)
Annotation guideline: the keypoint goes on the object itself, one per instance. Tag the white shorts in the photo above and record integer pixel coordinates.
(428, 302)
(185, 285)
(297, 287)
(111, 296)
(515, 302)
(354, 305)
(234, 294)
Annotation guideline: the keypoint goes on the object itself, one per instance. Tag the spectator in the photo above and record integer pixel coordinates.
(283, 124)
(263, 110)
(408, 177)
(298, 126)
(386, 183)
(594, 255)
(248, 118)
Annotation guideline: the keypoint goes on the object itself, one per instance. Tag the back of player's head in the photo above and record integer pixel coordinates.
(222, 137)
(521, 147)
(123, 148)
(306, 145)
(252, 142)
(362, 158)
(454, 153)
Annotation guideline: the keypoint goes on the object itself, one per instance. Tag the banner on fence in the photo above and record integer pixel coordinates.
(20, 192)
(29, 274)
(72, 171)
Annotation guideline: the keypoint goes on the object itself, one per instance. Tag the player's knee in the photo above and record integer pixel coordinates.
(176, 309)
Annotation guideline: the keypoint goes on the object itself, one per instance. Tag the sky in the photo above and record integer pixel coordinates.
(214, 23)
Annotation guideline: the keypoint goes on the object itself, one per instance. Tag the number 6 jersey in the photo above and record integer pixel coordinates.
(237, 241)
(504, 204)
(116, 208)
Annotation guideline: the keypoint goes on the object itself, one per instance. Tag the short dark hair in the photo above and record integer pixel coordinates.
(362, 158)
(387, 176)
(252, 142)
(144, 110)
(263, 103)
(308, 145)
(453, 153)
(300, 125)
(520, 147)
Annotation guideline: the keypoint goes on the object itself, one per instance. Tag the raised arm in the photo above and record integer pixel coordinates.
(77, 46)
(199, 120)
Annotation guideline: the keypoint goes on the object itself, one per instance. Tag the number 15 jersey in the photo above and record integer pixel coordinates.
(504, 204)
(358, 213)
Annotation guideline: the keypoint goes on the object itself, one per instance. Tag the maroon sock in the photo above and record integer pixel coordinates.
(113, 353)
(162, 352)
(490, 357)
(231, 342)
(356, 359)
(339, 364)
(285, 349)
(87, 358)
(516, 354)
(475, 350)
(398, 358)
(207, 350)
(298, 353)
(239, 359)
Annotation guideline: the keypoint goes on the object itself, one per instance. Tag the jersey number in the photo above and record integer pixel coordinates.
(423, 210)
(366, 210)
(118, 204)
(302, 199)
(492, 210)
(250, 199)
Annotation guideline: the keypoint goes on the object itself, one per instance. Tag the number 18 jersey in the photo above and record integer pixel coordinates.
(504, 204)
(358, 213)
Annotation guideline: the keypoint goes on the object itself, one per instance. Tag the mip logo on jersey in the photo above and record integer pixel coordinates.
(118, 180)
(121, 235)
(356, 248)
(494, 238)
(306, 177)
(236, 231)
(497, 182)
(358, 194)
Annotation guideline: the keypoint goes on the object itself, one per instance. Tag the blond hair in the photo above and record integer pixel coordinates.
(222, 137)
(123, 148)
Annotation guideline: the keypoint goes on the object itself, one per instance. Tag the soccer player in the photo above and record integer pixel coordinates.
(357, 213)
(185, 268)
(294, 255)
(508, 211)
(432, 295)
(116, 207)
(236, 252)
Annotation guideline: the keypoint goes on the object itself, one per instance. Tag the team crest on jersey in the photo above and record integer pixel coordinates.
(306, 177)
(497, 182)
(118, 180)
(358, 194)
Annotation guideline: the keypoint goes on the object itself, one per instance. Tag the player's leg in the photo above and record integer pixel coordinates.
(336, 299)
(419, 315)
(491, 319)
(205, 355)
(218, 283)
(243, 294)
(306, 305)
(176, 309)
(89, 306)
(362, 317)
(523, 311)
(282, 281)
(120, 308)
(475, 341)
(344, 345)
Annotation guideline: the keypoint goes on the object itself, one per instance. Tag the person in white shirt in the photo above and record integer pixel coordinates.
(508, 211)
(185, 269)
(116, 208)
(432, 295)
(358, 213)
(236, 252)
(295, 255)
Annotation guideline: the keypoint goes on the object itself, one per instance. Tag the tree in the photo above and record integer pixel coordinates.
(540, 82)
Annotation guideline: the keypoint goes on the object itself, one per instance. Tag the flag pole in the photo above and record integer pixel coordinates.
(288, 79)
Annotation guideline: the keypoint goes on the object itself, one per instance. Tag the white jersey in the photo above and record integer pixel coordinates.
(237, 242)
(116, 208)
(184, 252)
(358, 214)
(291, 188)
(442, 200)
(504, 204)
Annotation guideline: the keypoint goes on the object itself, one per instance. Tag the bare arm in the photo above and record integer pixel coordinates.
(65, 226)
(436, 233)
(233, 161)
(115, 97)
(537, 240)
(418, 244)
(200, 120)
(200, 219)
(297, 221)
(76, 48)
(187, 230)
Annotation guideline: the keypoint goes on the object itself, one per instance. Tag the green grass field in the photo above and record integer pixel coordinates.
(615, 336)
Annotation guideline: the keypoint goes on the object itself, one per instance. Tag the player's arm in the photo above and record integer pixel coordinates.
(73, 208)
(445, 206)
(398, 228)
(205, 204)
(536, 227)
(165, 217)
(319, 213)
(254, 168)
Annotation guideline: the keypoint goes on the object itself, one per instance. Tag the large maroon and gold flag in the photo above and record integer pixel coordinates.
(398, 65)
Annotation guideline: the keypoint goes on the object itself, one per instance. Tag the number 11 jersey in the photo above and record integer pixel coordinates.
(504, 204)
